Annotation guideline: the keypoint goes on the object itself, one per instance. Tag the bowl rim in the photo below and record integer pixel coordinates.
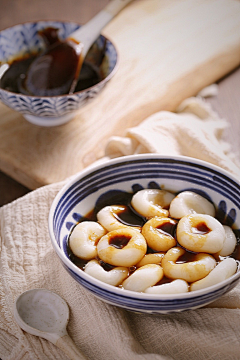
(116, 290)
(102, 82)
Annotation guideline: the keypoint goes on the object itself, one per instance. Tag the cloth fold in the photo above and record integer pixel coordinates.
(195, 130)
(100, 330)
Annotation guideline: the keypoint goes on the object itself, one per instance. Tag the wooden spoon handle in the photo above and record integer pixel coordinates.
(66, 344)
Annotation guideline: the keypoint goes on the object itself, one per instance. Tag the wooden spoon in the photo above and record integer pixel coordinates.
(56, 71)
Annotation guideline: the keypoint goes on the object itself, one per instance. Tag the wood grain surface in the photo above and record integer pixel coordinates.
(194, 43)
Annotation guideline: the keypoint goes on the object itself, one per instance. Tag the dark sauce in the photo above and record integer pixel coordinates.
(80, 263)
(115, 197)
(14, 79)
(105, 266)
(49, 35)
(168, 228)
(119, 242)
(164, 280)
(201, 229)
(128, 217)
(186, 257)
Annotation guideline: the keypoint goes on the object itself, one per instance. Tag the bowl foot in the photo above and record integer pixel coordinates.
(49, 121)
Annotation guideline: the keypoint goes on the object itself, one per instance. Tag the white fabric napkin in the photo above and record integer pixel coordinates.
(102, 331)
(195, 130)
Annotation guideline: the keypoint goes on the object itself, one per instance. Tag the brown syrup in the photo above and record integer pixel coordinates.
(15, 78)
(168, 228)
(119, 241)
(128, 217)
(201, 229)
(106, 266)
(75, 259)
(164, 280)
(186, 257)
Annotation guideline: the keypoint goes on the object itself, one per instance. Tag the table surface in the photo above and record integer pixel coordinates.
(13, 12)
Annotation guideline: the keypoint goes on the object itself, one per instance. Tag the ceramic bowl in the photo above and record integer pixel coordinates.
(56, 110)
(129, 174)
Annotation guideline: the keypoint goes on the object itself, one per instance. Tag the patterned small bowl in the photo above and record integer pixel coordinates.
(23, 39)
(129, 174)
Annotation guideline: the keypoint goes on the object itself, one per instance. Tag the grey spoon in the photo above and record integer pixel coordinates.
(45, 314)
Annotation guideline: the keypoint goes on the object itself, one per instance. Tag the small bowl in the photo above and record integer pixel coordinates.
(23, 39)
(131, 173)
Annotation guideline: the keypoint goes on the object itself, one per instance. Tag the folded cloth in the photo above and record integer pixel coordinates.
(195, 131)
(100, 330)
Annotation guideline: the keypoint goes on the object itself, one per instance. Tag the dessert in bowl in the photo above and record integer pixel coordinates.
(20, 44)
(86, 199)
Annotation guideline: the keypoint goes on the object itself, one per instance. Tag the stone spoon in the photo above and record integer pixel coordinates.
(56, 71)
(43, 313)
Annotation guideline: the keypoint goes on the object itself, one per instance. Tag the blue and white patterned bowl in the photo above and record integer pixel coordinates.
(56, 110)
(130, 174)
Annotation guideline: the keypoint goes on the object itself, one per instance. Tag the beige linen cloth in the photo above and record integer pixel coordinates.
(102, 331)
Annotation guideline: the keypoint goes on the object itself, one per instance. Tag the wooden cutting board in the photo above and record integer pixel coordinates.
(168, 50)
